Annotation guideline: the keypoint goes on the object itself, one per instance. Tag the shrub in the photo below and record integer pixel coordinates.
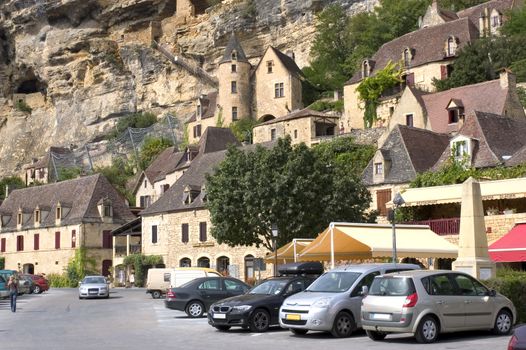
(324, 105)
(512, 284)
(140, 264)
(2, 262)
(58, 281)
(22, 106)
(135, 120)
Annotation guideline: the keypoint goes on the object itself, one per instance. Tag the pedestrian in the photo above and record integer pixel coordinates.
(132, 279)
(12, 285)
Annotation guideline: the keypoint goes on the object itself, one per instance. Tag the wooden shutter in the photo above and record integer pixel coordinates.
(443, 72)
(382, 197)
(57, 240)
(107, 241)
(2, 245)
(36, 241)
(184, 233)
(19, 243)
(202, 231)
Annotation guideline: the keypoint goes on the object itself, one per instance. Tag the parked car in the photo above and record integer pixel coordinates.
(4, 292)
(259, 308)
(332, 302)
(41, 284)
(427, 303)
(94, 287)
(518, 339)
(23, 285)
(27, 284)
(159, 280)
(196, 296)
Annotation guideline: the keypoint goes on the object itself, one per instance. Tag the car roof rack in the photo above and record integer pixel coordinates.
(301, 268)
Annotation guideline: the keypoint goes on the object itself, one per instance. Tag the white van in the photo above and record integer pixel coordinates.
(160, 279)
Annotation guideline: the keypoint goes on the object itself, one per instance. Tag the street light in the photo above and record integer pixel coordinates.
(274, 229)
(397, 201)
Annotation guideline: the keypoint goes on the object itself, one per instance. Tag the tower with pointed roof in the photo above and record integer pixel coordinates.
(234, 100)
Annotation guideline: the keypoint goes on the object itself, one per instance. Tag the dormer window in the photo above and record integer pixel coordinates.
(108, 210)
(451, 46)
(190, 194)
(461, 149)
(455, 110)
(381, 166)
(407, 57)
(19, 219)
(234, 55)
(204, 195)
(378, 168)
(58, 213)
(366, 69)
(105, 208)
(37, 216)
(496, 19)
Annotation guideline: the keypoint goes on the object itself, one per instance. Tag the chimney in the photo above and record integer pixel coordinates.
(507, 79)
(290, 53)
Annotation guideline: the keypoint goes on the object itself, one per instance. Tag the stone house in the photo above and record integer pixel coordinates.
(424, 55)
(304, 125)
(45, 169)
(444, 112)
(42, 227)
(271, 89)
(177, 226)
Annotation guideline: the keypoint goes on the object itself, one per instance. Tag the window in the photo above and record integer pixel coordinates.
(378, 169)
(407, 57)
(382, 197)
(165, 187)
(19, 219)
(455, 114)
(365, 282)
(185, 262)
(365, 69)
(234, 55)
(145, 184)
(440, 285)
(391, 110)
(234, 68)
(73, 238)
(233, 87)
(57, 240)
(409, 120)
(202, 231)
(210, 284)
(199, 111)
(145, 201)
(234, 113)
(154, 234)
(197, 131)
(107, 241)
(270, 66)
(36, 241)
(2, 245)
(184, 233)
(234, 286)
(272, 134)
(279, 90)
(37, 216)
(19, 243)
(451, 49)
(460, 148)
(295, 134)
(59, 213)
(496, 20)
(108, 212)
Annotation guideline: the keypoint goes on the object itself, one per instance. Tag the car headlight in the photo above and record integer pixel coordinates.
(241, 308)
(104, 289)
(322, 303)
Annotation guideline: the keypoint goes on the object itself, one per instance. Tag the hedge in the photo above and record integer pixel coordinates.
(511, 284)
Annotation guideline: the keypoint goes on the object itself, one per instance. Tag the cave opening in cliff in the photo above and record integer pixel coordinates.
(30, 86)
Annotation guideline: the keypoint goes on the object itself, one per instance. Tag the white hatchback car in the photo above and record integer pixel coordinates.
(94, 287)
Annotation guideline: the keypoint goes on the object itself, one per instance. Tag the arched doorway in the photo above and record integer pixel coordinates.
(185, 262)
(203, 262)
(106, 266)
(249, 268)
(29, 269)
(222, 264)
(266, 118)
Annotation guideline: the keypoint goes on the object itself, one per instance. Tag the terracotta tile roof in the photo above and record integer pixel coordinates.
(302, 113)
(208, 106)
(80, 195)
(428, 45)
(487, 96)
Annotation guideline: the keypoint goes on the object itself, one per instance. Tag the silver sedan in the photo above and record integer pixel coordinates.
(94, 287)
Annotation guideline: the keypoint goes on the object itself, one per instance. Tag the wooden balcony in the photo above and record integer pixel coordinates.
(441, 227)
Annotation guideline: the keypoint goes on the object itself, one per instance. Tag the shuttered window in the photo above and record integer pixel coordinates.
(19, 243)
(184, 233)
(382, 197)
(57, 240)
(202, 231)
(107, 241)
(2, 245)
(36, 241)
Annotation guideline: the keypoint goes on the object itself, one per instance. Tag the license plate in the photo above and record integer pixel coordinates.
(385, 317)
(293, 317)
(220, 316)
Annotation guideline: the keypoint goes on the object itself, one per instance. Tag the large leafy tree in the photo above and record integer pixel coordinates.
(298, 189)
(151, 148)
(12, 183)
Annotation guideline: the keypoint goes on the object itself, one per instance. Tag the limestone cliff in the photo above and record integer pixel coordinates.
(81, 64)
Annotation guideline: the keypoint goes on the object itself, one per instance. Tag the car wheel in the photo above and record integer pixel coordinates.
(296, 331)
(260, 321)
(156, 294)
(503, 323)
(376, 336)
(37, 290)
(195, 309)
(343, 325)
(222, 328)
(80, 298)
(427, 331)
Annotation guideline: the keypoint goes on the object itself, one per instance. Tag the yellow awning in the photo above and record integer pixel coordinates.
(286, 252)
(496, 189)
(365, 241)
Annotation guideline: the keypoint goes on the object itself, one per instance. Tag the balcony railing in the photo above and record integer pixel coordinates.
(121, 250)
(441, 227)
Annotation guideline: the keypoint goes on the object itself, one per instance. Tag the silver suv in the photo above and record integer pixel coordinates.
(332, 302)
(427, 303)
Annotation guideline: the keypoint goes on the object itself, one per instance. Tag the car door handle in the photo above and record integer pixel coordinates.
(440, 302)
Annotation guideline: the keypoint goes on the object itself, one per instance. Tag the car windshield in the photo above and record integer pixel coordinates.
(392, 286)
(94, 280)
(269, 287)
(334, 282)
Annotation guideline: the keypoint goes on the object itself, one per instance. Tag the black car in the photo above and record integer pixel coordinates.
(259, 308)
(196, 296)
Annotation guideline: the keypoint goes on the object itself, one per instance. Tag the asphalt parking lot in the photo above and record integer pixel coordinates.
(131, 319)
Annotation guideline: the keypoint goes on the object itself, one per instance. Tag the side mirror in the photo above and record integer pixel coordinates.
(365, 291)
(492, 293)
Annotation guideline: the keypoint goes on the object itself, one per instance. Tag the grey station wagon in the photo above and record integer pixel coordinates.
(427, 303)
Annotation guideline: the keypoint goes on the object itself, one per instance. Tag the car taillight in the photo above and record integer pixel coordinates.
(170, 294)
(512, 343)
(411, 300)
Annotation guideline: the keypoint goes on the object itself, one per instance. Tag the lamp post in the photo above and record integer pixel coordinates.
(397, 201)
(274, 229)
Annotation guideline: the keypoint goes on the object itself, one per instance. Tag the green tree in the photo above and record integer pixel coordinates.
(80, 266)
(151, 148)
(290, 186)
(134, 120)
(118, 174)
(242, 129)
(516, 23)
(12, 183)
(65, 173)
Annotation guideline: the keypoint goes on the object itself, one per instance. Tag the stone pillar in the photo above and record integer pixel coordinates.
(473, 257)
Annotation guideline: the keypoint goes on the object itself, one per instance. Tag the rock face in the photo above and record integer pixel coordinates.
(81, 64)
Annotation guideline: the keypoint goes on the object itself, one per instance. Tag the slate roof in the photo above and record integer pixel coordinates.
(44, 161)
(163, 164)
(302, 113)
(486, 96)
(473, 13)
(233, 44)
(216, 139)
(81, 195)
(427, 43)
(288, 62)
(208, 107)
(411, 151)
